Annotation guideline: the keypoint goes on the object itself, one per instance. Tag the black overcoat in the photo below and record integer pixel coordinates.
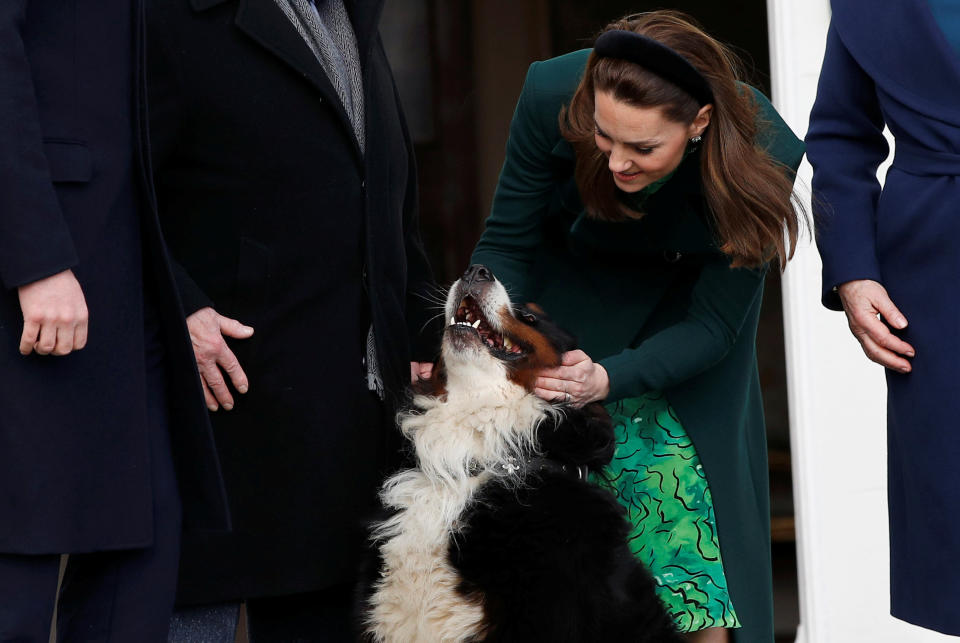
(278, 220)
(74, 468)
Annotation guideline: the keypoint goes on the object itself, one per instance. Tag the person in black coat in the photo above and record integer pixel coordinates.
(90, 329)
(287, 189)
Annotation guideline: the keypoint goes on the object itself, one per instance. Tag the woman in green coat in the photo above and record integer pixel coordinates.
(644, 192)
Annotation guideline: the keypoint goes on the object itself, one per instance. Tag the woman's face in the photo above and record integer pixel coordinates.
(640, 143)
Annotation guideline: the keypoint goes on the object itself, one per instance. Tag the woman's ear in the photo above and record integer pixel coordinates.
(701, 120)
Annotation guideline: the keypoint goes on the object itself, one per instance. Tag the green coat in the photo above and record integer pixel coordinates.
(654, 302)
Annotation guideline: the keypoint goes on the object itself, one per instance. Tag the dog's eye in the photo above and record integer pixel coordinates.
(528, 317)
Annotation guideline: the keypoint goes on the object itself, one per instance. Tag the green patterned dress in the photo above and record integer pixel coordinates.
(656, 474)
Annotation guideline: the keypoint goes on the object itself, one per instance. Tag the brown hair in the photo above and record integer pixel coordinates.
(748, 193)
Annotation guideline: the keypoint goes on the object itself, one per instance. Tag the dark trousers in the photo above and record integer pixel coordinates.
(324, 616)
(114, 596)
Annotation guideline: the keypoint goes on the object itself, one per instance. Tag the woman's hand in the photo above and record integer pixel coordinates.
(577, 381)
(207, 328)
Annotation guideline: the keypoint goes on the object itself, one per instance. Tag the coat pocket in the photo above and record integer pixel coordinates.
(69, 161)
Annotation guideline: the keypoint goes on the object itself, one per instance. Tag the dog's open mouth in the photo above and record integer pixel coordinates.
(468, 316)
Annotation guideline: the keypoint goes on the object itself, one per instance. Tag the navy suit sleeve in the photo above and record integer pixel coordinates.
(35, 241)
(845, 146)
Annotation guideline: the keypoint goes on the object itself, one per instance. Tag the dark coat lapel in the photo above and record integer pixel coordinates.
(265, 22)
(365, 16)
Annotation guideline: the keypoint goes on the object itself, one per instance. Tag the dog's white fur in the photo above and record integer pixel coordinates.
(484, 423)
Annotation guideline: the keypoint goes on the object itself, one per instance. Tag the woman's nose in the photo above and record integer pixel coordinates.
(618, 161)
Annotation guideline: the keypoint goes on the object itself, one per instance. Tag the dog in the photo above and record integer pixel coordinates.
(496, 534)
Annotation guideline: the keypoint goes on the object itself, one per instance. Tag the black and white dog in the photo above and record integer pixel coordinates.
(496, 535)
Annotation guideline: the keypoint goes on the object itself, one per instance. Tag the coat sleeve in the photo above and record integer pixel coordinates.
(720, 301)
(513, 231)
(35, 241)
(845, 145)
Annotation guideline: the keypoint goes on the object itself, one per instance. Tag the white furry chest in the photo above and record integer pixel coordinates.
(416, 598)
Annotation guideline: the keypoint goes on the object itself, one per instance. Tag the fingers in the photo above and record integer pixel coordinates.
(863, 300)
(878, 343)
(207, 329)
(80, 336)
(571, 358)
(64, 344)
(53, 338)
(578, 372)
(228, 361)
(549, 396)
(891, 313)
(558, 390)
(883, 356)
(208, 396)
(47, 340)
(53, 308)
(211, 374)
(233, 328)
(553, 384)
(31, 332)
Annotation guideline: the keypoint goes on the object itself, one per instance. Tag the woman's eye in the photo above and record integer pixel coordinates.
(643, 150)
(601, 134)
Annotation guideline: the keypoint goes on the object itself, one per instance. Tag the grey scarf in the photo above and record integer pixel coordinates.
(329, 34)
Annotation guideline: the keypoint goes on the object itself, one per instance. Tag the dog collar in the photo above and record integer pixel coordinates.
(536, 466)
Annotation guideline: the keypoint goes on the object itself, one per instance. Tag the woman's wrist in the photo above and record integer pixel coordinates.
(603, 383)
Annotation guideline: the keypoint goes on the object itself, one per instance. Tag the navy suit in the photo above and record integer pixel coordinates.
(889, 64)
(85, 462)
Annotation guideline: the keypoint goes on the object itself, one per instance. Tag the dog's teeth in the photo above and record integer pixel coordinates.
(476, 324)
(453, 321)
(507, 343)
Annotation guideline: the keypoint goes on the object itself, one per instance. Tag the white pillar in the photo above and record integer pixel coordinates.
(837, 403)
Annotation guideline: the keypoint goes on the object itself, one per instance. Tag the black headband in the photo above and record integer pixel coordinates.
(657, 58)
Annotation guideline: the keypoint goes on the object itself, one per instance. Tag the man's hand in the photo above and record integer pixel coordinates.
(863, 300)
(55, 317)
(207, 329)
(577, 381)
(420, 371)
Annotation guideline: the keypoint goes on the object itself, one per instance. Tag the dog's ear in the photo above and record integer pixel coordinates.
(533, 315)
(581, 436)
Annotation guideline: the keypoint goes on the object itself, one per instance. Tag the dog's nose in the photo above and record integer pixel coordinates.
(476, 273)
